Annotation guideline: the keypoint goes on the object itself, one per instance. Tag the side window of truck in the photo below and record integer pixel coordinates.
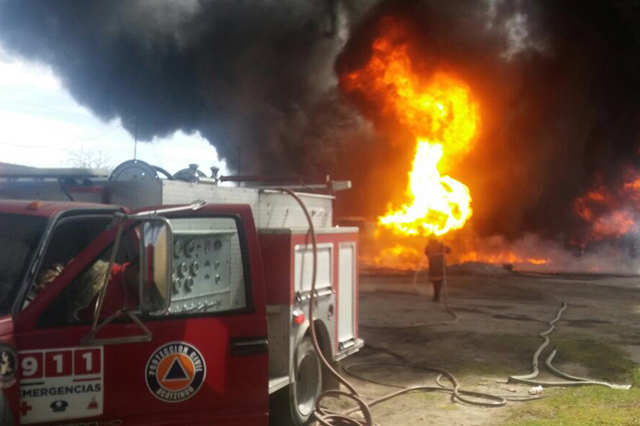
(69, 238)
(76, 303)
(210, 264)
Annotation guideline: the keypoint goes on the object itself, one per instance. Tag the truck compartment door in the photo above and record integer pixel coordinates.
(346, 292)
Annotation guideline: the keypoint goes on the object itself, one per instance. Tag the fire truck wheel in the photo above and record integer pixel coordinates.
(308, 383)
(294, 406)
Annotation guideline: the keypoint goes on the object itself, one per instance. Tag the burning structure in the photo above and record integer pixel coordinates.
(510, 126)
(441, 116)
(477, 96)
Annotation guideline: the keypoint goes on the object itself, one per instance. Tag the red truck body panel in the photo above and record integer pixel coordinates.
(233, 388)
(231, 371)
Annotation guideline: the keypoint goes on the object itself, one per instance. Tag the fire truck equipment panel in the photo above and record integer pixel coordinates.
(208, 268)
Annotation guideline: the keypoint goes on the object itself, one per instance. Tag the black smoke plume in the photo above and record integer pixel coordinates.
(557, 81)
(254, 77)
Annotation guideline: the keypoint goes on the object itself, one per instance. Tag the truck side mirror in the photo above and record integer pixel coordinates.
(156, 256)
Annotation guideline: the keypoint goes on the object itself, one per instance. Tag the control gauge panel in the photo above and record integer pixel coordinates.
(207, 271)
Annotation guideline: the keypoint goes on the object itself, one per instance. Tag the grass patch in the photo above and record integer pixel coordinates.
(426, 396)
(502, 354)
(589, 406)
(473, 354)
(630, 337)
(604, 361)
(512, 354)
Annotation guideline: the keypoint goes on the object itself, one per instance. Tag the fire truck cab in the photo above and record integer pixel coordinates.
(167, 311)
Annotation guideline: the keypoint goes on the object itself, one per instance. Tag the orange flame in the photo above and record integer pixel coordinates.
(611, 212)
(505, 257)
(528, 253)
(613, 225)
(443, 118)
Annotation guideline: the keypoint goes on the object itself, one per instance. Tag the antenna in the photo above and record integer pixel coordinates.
(135, 143)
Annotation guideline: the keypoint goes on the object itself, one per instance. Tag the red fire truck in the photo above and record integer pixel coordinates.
(168, 311)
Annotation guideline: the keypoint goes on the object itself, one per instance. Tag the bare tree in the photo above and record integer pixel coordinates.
(89, 158)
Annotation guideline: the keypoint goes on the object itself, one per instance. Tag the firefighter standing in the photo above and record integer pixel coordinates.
(436, 251)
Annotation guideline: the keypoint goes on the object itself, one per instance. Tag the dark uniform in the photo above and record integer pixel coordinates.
(436, 252)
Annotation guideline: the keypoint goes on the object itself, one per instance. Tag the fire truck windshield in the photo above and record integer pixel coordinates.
(19, 239)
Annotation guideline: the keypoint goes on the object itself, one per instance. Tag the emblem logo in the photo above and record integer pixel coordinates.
(175, 372)
(8, 366)
(59, 406)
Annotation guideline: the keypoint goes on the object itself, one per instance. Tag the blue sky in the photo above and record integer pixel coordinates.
(42, 125)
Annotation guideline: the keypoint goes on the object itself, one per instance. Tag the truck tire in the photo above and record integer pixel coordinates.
(294, 405)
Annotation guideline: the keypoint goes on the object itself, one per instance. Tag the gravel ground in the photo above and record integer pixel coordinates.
(500, 314)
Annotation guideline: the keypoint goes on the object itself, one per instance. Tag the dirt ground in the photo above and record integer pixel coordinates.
(500, 314)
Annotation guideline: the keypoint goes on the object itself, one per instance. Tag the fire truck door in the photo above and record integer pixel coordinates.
(206, 362)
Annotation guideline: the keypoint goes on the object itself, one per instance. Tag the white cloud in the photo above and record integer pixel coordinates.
(40, 124)
(18, 75)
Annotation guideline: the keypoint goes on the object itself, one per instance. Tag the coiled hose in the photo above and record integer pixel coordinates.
(330, 418)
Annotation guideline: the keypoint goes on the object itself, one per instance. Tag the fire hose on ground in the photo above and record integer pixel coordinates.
(328, 417)
(572, 381)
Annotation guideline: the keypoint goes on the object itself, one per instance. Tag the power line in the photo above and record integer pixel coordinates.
(122, 123)
(42, 107)
(31, 146)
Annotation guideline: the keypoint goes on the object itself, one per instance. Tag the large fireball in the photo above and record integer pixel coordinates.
(440, 113)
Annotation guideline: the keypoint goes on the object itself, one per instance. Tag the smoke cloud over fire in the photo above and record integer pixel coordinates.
(254, 78)
(555, 86)
(558, 119)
